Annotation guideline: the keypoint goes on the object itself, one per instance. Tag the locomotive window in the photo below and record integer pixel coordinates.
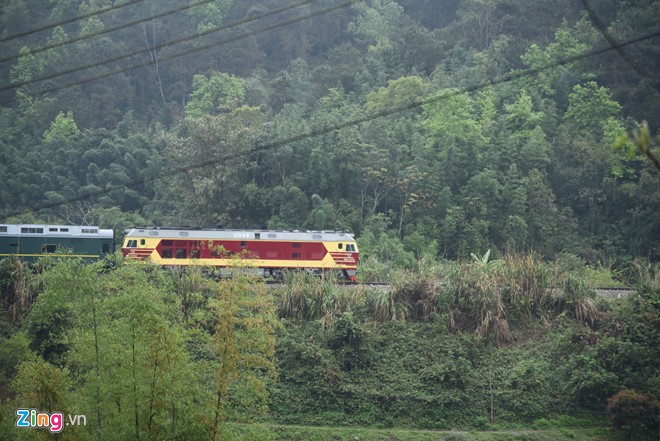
(180, 253)
(167, 253)
(89, 231)
(105, 248)
(52, 229)
(3, 229)
(48, 248)
(350, 247)
(242, 243)
(142, 242)
(167, 243)
(257, 235)
(296, 245)
(340, 246)
(194, 253)
(66, 230)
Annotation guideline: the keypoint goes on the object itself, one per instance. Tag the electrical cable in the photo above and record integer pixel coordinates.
(170, 43)
(69, 20)
(108, 30)
(615, 45)
(338, 126)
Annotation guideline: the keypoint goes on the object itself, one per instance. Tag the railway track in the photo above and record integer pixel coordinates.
(614, 292)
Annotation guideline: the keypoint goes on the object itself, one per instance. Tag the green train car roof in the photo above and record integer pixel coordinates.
(36, 230)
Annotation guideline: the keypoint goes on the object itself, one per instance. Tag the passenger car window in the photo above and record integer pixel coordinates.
(48, 248)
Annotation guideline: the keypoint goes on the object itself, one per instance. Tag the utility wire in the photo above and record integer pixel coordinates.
(108, 30)
(170, 43)
(69, 20)
(618, 47)
(341, 125)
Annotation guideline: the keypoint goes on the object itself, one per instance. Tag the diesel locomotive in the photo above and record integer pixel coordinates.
(269, 253)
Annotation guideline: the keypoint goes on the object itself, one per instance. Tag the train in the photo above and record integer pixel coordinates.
(29, 242)
(268, 253)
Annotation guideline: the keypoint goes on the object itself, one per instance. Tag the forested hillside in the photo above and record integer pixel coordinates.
(496, 160)
(428, 128)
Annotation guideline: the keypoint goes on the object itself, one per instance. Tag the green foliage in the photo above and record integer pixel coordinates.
(14, 351)
(636, 413)
(466, 172)
(19, 287)
(589, 106)
(244, 342)
(214, 95)
(62, 126)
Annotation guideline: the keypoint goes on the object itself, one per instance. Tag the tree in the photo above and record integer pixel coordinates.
(634, 412)
(211, 194)
(244, 342)
(64, 126)
(114, 347)
(219, 93)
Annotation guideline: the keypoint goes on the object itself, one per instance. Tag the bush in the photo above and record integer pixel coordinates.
(634, 412)
(541, 423)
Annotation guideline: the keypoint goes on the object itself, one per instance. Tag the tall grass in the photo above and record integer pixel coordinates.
(489, 298)
(307, 297)
(524, 285)
(21, 285)
(572, 294)
(646, 274)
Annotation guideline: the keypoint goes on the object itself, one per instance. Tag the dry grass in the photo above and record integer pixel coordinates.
(307, 297)
(484, 297)
(22, 288)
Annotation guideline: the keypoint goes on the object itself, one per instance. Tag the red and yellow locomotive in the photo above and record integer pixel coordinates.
(269, 252)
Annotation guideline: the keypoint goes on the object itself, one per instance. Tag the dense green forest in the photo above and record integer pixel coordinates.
(199, 118)
(489, 346)
(496, 160)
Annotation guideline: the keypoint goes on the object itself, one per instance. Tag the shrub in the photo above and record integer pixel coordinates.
(634, 412)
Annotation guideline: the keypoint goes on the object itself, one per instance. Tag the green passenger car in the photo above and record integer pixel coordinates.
(29, 242)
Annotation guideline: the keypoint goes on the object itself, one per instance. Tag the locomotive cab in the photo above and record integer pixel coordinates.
(135, 248)
(347, 254)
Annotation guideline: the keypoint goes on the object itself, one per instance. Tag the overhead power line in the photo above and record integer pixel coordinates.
(69, 20)
(619, 48)
(170, 43)
(108, 30)
(341, 125)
